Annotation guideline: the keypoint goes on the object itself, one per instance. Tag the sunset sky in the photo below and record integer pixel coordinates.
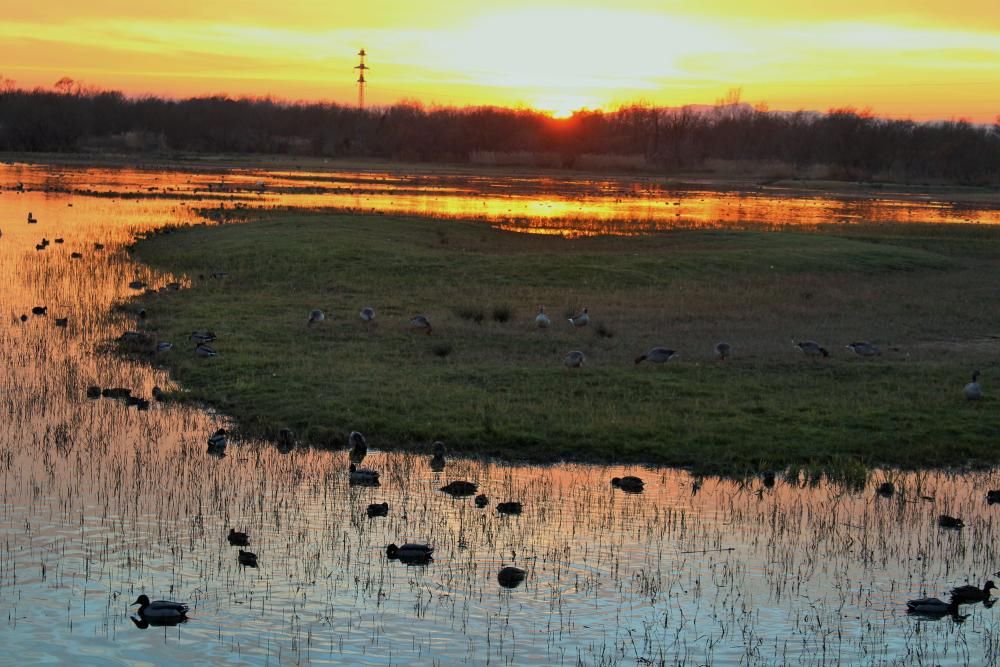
(923, 59)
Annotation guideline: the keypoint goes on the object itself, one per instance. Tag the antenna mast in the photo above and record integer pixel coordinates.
(361, 78)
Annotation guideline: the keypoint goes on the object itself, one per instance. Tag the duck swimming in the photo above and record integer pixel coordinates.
(510, 507)
(460, 488)
(160, 609)
(362, 476)
(967, 594)
(378, 509)
(237, 539)
(932, 607)
(511, 577)
(359, 446)
(218, 440)
(629, 484)
(412, 553)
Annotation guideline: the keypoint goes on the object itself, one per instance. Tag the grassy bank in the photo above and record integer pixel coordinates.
(488, 381)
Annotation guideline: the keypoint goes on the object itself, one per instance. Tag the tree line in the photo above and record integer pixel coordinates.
(853, 144)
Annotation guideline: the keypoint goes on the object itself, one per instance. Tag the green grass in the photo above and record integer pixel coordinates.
(488, 382)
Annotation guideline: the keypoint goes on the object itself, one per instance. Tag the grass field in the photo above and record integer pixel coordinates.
(487, 381)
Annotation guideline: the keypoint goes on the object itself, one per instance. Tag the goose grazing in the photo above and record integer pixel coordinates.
(864, 349)
(362, 476)
(367, 315)
(967, 594)
(973, 391)
(238, 539)
(359, 446)
(438, 461)
(581, 319)
(722, 351)
(657, 355)
(160, 609)
(946, 521)
(201, 337)
(811, 348)
(247, 559)
(205, 351)
(542, 320)
(315, 316)
(628, 484)
(932, 607)
(460, 488)
(574, 359)
(218, 440)
(482, 501)
(378, 509)
(511, 577)
(510, 507)
(410, 553)
(421, 323)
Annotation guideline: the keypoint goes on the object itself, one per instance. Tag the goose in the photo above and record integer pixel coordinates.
(768, 478)
(31, 219)
(201, 337)
(315, 316)
(542, 320)
(574, 359)
(362, 476)
(205, 351)
(158, 394)
(378, 509)
(993, 496)
(932, 606)
(973, 391)
(164, 346)
(58, 240)
(864, 349)
(657, 355)
(238, 539)
(286, 438)
(367, 315)
(511, 577)
(510, 507)
(811, 348)
(39, 246)
(218, 440)
(886, 489)
(482, 501)
(359, 446)
(93, 391)
(581, 319)
(23, 318)
(438, 460)
(160, 609)
(247, 559)
(39, 310)
(966, 594)
(460, 488)
(946, 521)
(76, 255)
(723, 350)
(422, 323)
(414, 553)
(137, 284)
(629, 484)
(98, 246)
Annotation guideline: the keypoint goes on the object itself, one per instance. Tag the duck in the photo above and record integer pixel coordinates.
(460, 488)
(511, 577)
(39, 310)
(811, 348)
(98, 246)
(137, 284)
(362, 476)
(205, 351)
(76, 255)
(482, 501)
(286, 438)
(57, 240)
(993, 496)
(359, 446)
(367, 315)
(378, 509)
(410, 552)
(158, 394)
(969, 593)
(247, 559)
(62, 321)
(628, 483)
(542, 320)
(31, 219)
(160, 609)
(238, 539)
(509, 507)
(420, 322)
(218, 440)
(657, 355)
(93, 391)
(574, 359)
(581, 319)
(886, 489)
(722, 351)
(973, 391)
(864, 349)
(315, 316)
(946, 521)
(932, 606)
(768, 478)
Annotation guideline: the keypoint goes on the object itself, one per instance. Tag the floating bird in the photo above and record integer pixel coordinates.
(24, 318)
(39, 310)
(511, 577)
(932, 607)
(160, 609)
(629, 484)
(367, 315)
(359, 446)
(542, 320)
(62, 321)
(482, 501)
(657, 355)
(205, 351)
(438, 461)
(722, 351)
(247, 559)
(886, 489)
(218, 440)
(58, 240)
(315, 316)
(40, 246)
(460, 488)
(378, 509)
(946, 521)
(811, 348)
(362, 476)
(410, 553)
(993, 496)
(973, 391)
(116, 392)
(510, 507)
(581, 319)
(967, 594)
(31, 219)
(420, 322)
(98, 246)
(201, 337)
(238, 539)
(574, 359)
(76, 255)
(864, 349)
(93, 391)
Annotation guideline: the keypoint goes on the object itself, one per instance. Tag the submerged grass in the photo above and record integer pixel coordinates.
(496, 385)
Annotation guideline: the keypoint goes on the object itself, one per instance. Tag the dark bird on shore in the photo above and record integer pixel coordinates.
(542, 320)
(482, 501)
(629, 484)
(367, 315)
(932, 607)
(362, 476)
(973, 391)
(238, 539)
(137, 284)
(574, 359)
(421, 323)
(39, 310)
(247, 559)
(510, 507)
(160, 609)
(993, 496)
(722, 351)
(218, 440)
(656, 355)
(438, 461)
(886, 489)
(581, 319)
(969, 594)
(164, 346)
(511, 577)
(201, 337)
(205, 351)
(946, 521)
(315, 316)
(76, 255)
(62, 321)
(359, 446)
(459, 488)
(410, 553)
(811, 348)
(864, 349)
(58, 240)
(378, 509)
(98, 246)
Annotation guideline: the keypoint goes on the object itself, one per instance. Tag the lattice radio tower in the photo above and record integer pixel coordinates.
(361, 79)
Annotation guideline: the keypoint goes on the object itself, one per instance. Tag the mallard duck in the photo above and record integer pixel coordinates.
(205, 351)
(657, 355)
(811, 348)
(574, 359)
(629, 483)
(932, 606)
(367, 315)
(237, 539)
(581, 319)
(378, 509)
(964, 594)
(482, 501)
(973, 391)
(459, 488)
(993, 496)
(509, 507)
(315, 316)
(511, 577)
(160, 609)
(946, 521)
(421, 323)
(438, 460)
(864, 349)
(886, 489)
(247, 559)
(722, 351)
(218, 440)
(542, 320)
(362, 476)
(410, 552)
(201, 337)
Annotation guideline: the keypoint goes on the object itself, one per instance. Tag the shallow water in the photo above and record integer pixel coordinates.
(102, 502)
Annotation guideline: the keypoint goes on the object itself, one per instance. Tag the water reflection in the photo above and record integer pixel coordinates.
(103, 502)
